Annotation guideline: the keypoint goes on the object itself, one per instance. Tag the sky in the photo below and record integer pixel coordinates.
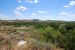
(37, 9)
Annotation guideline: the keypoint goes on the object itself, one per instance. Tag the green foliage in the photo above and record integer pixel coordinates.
(61, 34)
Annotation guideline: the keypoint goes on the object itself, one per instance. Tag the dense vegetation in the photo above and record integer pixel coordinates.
(61, 34)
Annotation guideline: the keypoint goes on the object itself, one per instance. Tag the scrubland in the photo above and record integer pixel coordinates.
(37, 36)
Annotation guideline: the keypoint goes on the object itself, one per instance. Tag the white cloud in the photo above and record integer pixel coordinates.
(41, 12)
(64, 13)
(36, 1)
(66, 6)
(19, 1)
(69, 14)
(21, 8)
(34, 14)
(18, 13)
(29, 1)
(32, 1)
(72, 3)
(4, 17)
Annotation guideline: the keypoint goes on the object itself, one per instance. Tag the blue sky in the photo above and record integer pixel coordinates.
(38, 9)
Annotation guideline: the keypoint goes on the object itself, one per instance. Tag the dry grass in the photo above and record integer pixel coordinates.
(10, 36)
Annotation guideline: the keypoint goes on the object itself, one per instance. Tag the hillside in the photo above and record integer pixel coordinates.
(37, 35)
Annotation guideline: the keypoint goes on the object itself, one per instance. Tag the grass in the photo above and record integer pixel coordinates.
(9, 37)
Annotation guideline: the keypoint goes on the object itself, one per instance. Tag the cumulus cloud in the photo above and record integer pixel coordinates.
(41, 12)
(64, 13)
(21, 8)
(35, 1)
(66, 6)
(17, 13)
(29, 1)
(19, 1)
(34, 14)
(72, 3)
(67, 14)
